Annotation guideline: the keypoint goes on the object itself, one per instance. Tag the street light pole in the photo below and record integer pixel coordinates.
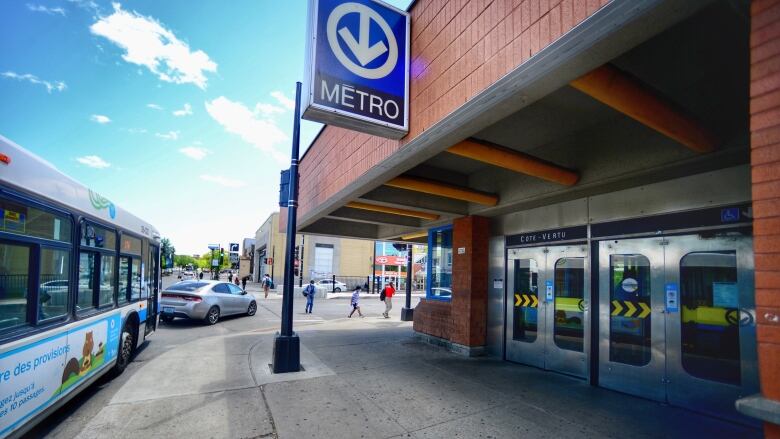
(287, 346)
(407, 312)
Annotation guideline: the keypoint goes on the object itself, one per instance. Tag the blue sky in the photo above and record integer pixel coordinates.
(179, 111)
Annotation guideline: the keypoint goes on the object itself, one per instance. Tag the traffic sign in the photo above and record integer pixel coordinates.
(357, 66)
(233, 247)
(213, 246)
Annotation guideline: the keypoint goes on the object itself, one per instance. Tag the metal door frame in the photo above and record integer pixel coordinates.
(646, 380)
(530, 353)
(683, 388)
(543, 352)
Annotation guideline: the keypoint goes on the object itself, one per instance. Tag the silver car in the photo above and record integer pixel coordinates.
(205, 300)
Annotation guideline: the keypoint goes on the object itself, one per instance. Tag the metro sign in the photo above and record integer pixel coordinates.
(357, 66)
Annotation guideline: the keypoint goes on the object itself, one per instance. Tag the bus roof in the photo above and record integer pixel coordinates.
(29, 173)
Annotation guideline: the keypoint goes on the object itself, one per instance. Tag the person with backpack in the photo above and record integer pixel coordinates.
(387, 297)
(236, 280)
(266, 284)
(354, 302)
(309, 293)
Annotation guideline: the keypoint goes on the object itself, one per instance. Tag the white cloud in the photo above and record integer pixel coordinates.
(154, 106)
(194, 152)
(147, 43)
(186, 111)
(284, 100)
(93, 161)
(134, 130)
(99, 118)
(170, 135)
(46, 10)
(56, 85)
(267, 109)
(222, 181)
(236, 118)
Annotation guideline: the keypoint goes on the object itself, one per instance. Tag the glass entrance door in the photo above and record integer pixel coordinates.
(677, 320)
(547, 308)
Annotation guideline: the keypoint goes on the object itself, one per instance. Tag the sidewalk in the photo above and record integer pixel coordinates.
(371, 378)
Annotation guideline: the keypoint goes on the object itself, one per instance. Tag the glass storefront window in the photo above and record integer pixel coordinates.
(569, 304)
(709, 316)
(97, 237)
(526, 296)
(25, 220)
(14, 271)
(629, 322)
(107, 280)
(440, 263)
(86, 281)
(53, 286)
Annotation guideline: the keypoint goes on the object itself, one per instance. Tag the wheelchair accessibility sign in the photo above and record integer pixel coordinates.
(357, 66)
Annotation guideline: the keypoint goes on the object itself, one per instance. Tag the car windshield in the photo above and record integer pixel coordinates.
(187, 286)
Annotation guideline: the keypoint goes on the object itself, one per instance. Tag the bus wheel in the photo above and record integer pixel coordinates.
(212, 317)
(126, 345)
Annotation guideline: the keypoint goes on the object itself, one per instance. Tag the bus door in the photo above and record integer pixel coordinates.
(547, 308)
(677, 320)
(154, 289)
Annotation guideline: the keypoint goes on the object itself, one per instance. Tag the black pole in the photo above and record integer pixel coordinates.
(407, 312)
(287, 347)
(373, 271)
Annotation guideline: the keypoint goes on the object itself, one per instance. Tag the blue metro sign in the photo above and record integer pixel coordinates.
(358, 66)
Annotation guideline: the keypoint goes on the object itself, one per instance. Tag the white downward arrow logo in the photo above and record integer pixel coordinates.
(362, 51)
(360, 47)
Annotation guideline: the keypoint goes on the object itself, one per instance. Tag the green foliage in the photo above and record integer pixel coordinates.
(184, 260)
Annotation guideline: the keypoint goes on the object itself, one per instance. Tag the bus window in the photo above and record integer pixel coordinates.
(14, 270)
(124, 279)
(26, 220)
(86, 299)
(107, 281)
(135, 280)
(130, 245)
(53, 283)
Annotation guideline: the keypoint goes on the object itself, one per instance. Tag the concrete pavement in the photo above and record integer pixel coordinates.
(371, 378)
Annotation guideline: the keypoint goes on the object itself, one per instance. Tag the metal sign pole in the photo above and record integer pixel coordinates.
(287, 348)
(407, 312)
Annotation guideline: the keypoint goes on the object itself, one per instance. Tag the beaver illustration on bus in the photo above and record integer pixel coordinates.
(90, 359)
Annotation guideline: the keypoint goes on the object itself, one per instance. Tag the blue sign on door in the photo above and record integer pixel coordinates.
(358, 66)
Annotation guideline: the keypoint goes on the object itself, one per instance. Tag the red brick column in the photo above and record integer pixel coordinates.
(765, 160)
(469, 280)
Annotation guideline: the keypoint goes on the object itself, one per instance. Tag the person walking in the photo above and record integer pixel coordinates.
(243, 282)
(230, 276)
(266, 284)
(354, 302)
(200, 275)
(309, 292)
(236, 280)
(388, 293)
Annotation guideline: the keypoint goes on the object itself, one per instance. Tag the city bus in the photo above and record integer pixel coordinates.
(79, 287)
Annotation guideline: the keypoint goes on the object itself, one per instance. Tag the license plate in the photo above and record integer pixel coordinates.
(168, 310)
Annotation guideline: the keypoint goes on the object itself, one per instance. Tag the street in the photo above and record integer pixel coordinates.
(70, 420)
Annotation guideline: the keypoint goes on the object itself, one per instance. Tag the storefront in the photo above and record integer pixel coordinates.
(597, 186)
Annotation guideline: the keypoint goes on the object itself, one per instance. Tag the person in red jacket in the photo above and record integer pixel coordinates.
(389, 291)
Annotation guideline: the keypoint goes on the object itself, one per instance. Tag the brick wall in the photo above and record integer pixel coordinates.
(469, 280)
(458, 49)
(765, 160)
(434, 318)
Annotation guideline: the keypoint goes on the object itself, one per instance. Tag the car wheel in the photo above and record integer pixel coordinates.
(337, 289)
(166, 319)
(212, 317)
(252, 308)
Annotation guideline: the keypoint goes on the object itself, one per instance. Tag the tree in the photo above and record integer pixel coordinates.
(184, 260)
